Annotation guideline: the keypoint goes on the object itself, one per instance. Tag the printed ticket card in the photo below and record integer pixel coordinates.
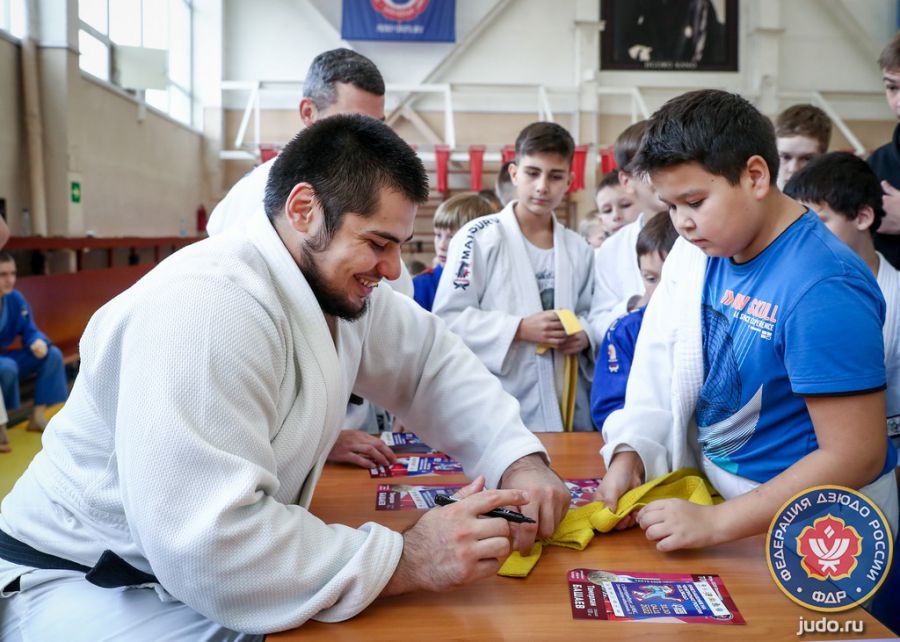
(405, 442)
(658, 597)
(414, 466)
(407, 497)
(582, 491)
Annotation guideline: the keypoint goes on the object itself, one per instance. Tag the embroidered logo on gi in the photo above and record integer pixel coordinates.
(612, 358)
(461, 280)
(829, 548)
(400, 10)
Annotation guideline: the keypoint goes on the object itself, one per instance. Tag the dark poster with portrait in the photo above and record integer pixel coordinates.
(669, 35)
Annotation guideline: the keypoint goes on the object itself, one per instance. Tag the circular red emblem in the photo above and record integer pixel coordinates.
(400, 10)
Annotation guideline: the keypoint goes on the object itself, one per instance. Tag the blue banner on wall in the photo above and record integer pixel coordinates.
(417, 20)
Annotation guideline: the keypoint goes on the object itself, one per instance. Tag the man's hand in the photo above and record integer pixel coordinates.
(626, 471)
(675, 524)
(452, 546)
(548, 495)
(542, 327)
(361, 449)
(575, 343)
(890, 224)
(39, 348)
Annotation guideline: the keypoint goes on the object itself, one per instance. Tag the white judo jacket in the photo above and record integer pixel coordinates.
(209, 396)
(667, 372)
(488, 287)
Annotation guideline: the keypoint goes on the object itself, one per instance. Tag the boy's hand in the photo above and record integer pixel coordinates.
(890, 224)
(542, 327)
(575, 343)
(626, 471)
(452, 546)
(548, 503)
(39, 348)
(675, 524)
(361, 449)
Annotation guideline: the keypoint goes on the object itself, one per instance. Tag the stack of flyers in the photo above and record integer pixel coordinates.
(414, 466)
(406, 497)
(582, 491)
(659, 597)
(405, 442)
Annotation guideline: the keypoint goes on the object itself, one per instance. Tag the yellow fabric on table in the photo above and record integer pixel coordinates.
(571, 325)
(576, 530)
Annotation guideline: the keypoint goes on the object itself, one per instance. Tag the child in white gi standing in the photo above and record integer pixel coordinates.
(507, 272)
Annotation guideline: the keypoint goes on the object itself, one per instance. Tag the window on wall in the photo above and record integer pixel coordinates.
(155, 24)
(12, 17)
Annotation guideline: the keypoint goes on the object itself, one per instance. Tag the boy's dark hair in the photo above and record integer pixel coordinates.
(340, 65)
(805, 120)
(6, 257)
(545, 138)
(842, 181)
(658, 235)
(610, 179)
(890, 55)
(346, 159)
(717, 129)
(628, 143)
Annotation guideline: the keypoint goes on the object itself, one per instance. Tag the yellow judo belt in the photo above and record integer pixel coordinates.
(576, 530)
(572, 325)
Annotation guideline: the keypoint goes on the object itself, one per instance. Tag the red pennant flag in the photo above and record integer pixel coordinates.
(476, 165)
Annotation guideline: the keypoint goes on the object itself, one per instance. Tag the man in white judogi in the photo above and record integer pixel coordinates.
(180, 471)
(338, 81)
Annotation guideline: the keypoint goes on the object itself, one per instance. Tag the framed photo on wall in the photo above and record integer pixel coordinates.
(669, 35)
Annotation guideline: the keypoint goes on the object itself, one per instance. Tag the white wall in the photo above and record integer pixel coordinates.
(13, 151)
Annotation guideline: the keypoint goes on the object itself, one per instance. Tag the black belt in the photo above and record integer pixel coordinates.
(110, 571)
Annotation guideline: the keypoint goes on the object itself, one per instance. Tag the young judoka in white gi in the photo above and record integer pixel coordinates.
(338, 81)
(209, 396)
(507, 272)
(618, 285)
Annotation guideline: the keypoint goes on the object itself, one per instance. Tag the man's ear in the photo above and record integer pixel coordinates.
(308, 111)
(301, 207)
(865, 218)
(756, 173)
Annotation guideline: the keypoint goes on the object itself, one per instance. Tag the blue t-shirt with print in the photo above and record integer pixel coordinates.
(802, 318)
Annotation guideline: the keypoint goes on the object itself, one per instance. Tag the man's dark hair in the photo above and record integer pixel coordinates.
(346, 159)
(717, 129)
(545, 138)
(628, 143)
(658, 235)
(340, 65)
(610, 179)
(805, 120)
(843, 182)
(889, 60)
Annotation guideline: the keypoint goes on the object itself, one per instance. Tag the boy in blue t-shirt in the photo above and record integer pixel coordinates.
(616, 352)
(765, 355)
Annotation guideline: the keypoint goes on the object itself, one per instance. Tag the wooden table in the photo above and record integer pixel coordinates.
(537, 607)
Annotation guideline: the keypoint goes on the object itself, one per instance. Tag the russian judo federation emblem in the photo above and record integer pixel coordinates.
(829, 548)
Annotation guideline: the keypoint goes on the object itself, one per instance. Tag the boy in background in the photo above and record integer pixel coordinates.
(617, 280)
(844, 191)
(742, 362)
(592, 230)
(802, 132)
(450, 215)
(616, 207)
(507, 273)
(885, 161)
(617, 351)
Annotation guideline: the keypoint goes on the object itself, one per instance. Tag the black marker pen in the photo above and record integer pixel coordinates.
(508, 515)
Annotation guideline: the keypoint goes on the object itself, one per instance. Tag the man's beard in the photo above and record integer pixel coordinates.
(331, 300)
